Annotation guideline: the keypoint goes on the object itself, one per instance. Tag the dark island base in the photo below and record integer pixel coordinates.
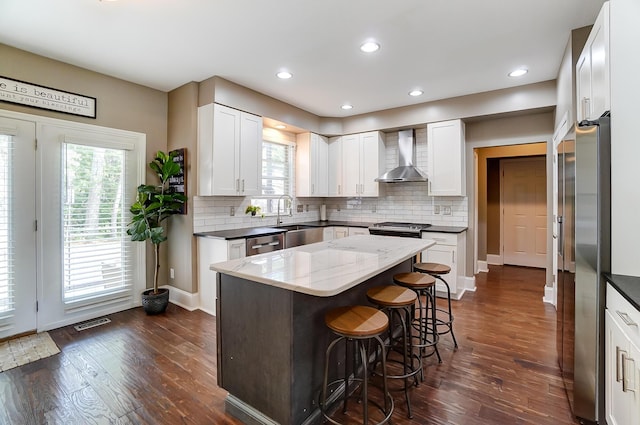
(271, 347)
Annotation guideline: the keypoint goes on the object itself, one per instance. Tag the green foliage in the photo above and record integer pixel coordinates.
(155, 204)
(252, 209)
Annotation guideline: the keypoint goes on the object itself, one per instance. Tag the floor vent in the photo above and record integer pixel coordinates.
(91, 323)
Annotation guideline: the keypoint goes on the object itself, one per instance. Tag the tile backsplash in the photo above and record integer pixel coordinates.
(406, 202)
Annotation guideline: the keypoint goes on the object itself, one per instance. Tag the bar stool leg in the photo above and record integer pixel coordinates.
(431, 298)
(449, 324)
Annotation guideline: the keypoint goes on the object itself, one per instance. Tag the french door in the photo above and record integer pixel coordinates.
(65, 256)
(17, 227)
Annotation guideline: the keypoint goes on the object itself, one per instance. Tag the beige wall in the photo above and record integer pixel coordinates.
(120, 104)
(182, 133)
(494, 138)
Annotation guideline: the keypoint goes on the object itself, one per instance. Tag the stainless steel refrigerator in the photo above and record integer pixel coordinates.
(584, 253)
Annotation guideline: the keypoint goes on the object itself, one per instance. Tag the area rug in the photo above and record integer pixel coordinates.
(26, 349)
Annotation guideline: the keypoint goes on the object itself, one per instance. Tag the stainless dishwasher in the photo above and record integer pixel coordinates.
(264, 244)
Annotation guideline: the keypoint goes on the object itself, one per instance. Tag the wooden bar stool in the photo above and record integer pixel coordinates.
(437, 270)
(357, 326)
(398, 303)
(424, 321)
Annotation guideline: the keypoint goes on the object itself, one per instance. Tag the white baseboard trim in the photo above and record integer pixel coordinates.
(464, 284)
(483, 267)
(469, 283)
(182, 298)
(495, 260)
(209, 312)
(548, 295)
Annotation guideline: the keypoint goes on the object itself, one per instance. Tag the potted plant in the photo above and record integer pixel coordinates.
(252, 209)
(155, 204)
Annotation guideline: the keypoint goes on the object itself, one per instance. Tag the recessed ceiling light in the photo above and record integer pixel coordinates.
(284, 75)
(346, 106)
(281, 127)
(518, 72)
(415, 93)
(369, 47)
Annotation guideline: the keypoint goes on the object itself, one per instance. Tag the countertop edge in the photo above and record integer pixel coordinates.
(627, 286)
(312, 291)
(248, 232)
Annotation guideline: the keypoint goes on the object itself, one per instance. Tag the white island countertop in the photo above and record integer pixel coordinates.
(326, 268)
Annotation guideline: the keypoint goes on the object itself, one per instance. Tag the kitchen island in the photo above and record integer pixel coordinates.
(271, 334)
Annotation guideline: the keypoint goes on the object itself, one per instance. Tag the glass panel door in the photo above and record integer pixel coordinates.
(17, 228)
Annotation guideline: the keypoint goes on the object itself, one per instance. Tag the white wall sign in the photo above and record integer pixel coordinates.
(28, 94)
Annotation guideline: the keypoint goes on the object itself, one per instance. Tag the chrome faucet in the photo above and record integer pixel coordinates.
(278, 222)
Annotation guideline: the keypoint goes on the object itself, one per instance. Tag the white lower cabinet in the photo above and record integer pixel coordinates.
(622, 359)
(327, 234)
(214, 251)
(340, 232)
(449, 249)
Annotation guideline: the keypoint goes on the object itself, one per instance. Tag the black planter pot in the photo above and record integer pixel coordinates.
(155, 303)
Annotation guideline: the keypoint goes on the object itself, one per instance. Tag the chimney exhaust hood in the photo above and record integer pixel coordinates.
(406, 171)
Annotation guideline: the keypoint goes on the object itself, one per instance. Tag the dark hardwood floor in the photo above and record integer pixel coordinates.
(162, 369)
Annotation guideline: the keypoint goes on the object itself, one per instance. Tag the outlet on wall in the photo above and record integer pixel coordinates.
(447, 211)
(299, 208)
(172, 273)
(232, 211)
(436, 209)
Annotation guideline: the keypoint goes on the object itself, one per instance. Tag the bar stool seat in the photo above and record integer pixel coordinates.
(432, 268)
(425, 321)
(437, 270)
(398, 303)
(357, 325)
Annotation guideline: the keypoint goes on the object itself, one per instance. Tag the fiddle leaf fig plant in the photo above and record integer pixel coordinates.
(155, 204)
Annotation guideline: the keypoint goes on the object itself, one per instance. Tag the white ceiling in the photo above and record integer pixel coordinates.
(445, 47)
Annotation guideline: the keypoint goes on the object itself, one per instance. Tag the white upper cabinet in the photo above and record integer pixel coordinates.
(362, 163)
(312, 167)
(593, 88)
(229, 150)
(335, 166)
(445, 150)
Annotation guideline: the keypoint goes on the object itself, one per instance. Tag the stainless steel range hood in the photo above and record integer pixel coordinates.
(406, 171)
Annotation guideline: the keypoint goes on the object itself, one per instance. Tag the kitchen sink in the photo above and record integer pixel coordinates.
(297, 235)
(295, 227)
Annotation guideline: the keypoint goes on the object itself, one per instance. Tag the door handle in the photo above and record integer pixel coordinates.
(625, 386)
(626, 319)
(619, 373)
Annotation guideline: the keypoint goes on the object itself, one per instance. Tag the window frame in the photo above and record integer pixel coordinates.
(268, 209)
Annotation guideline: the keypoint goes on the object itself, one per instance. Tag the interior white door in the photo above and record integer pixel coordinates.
(524, 207)
(17, 227)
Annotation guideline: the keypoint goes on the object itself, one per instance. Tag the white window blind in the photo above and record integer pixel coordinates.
(96, 248)
(6, 229)
(277, 175)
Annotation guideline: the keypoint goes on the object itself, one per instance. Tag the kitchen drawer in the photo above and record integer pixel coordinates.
(442, 238)
(624, 313)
